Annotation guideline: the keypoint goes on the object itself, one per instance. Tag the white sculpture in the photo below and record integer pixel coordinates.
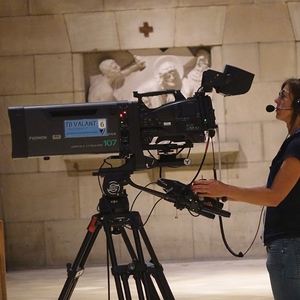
(194, 78)
(102, 86)
(168, 73)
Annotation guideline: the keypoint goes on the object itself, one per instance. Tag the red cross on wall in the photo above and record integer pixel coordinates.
(146, 29)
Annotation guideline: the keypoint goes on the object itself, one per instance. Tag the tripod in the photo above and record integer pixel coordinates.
(114, 218)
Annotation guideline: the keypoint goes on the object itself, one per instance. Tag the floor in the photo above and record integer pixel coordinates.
(213, 280)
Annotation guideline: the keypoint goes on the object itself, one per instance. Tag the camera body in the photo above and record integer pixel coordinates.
(121, 127)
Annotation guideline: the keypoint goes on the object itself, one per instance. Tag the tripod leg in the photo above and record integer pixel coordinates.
(138, 268)
(122, 272)
(156, 270)
(77, 268)
(142, 272)
(149, 287)
(133, 266)
(107, 227)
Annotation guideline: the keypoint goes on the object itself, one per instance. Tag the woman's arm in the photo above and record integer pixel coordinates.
(285, 180)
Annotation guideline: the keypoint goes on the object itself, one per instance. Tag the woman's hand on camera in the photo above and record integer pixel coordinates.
(209, 188)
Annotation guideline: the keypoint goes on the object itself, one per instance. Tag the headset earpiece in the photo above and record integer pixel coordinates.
(296, 105)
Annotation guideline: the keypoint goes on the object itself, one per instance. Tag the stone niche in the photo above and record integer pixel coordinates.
(123, 72)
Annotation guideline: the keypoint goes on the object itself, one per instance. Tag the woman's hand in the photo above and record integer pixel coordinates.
(209, 188)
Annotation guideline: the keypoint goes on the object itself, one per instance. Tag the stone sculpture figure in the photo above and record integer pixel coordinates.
(168, 73)
(112, 77)
(194, 78)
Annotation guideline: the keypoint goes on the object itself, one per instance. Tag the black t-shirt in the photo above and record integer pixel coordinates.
(283, 221)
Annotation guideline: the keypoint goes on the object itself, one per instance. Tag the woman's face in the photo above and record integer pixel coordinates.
(284, 105)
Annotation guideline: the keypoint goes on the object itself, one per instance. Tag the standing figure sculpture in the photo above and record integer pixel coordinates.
(193, 81)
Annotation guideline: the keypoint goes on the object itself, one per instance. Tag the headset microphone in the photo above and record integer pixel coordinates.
(270, 108)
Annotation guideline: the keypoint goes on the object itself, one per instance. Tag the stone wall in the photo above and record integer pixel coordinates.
(46, 205)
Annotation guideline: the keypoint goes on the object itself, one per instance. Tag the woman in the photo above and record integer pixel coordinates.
(281, 196)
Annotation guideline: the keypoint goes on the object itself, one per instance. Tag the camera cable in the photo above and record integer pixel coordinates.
(240, 254)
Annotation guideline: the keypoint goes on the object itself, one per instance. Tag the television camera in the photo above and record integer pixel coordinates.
(128, 129)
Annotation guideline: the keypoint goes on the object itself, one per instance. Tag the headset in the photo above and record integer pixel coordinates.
(296, 104)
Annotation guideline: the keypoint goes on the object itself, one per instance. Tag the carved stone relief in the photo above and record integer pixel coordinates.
(114, 76)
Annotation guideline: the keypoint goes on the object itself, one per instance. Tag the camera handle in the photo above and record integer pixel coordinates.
(183, 197)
